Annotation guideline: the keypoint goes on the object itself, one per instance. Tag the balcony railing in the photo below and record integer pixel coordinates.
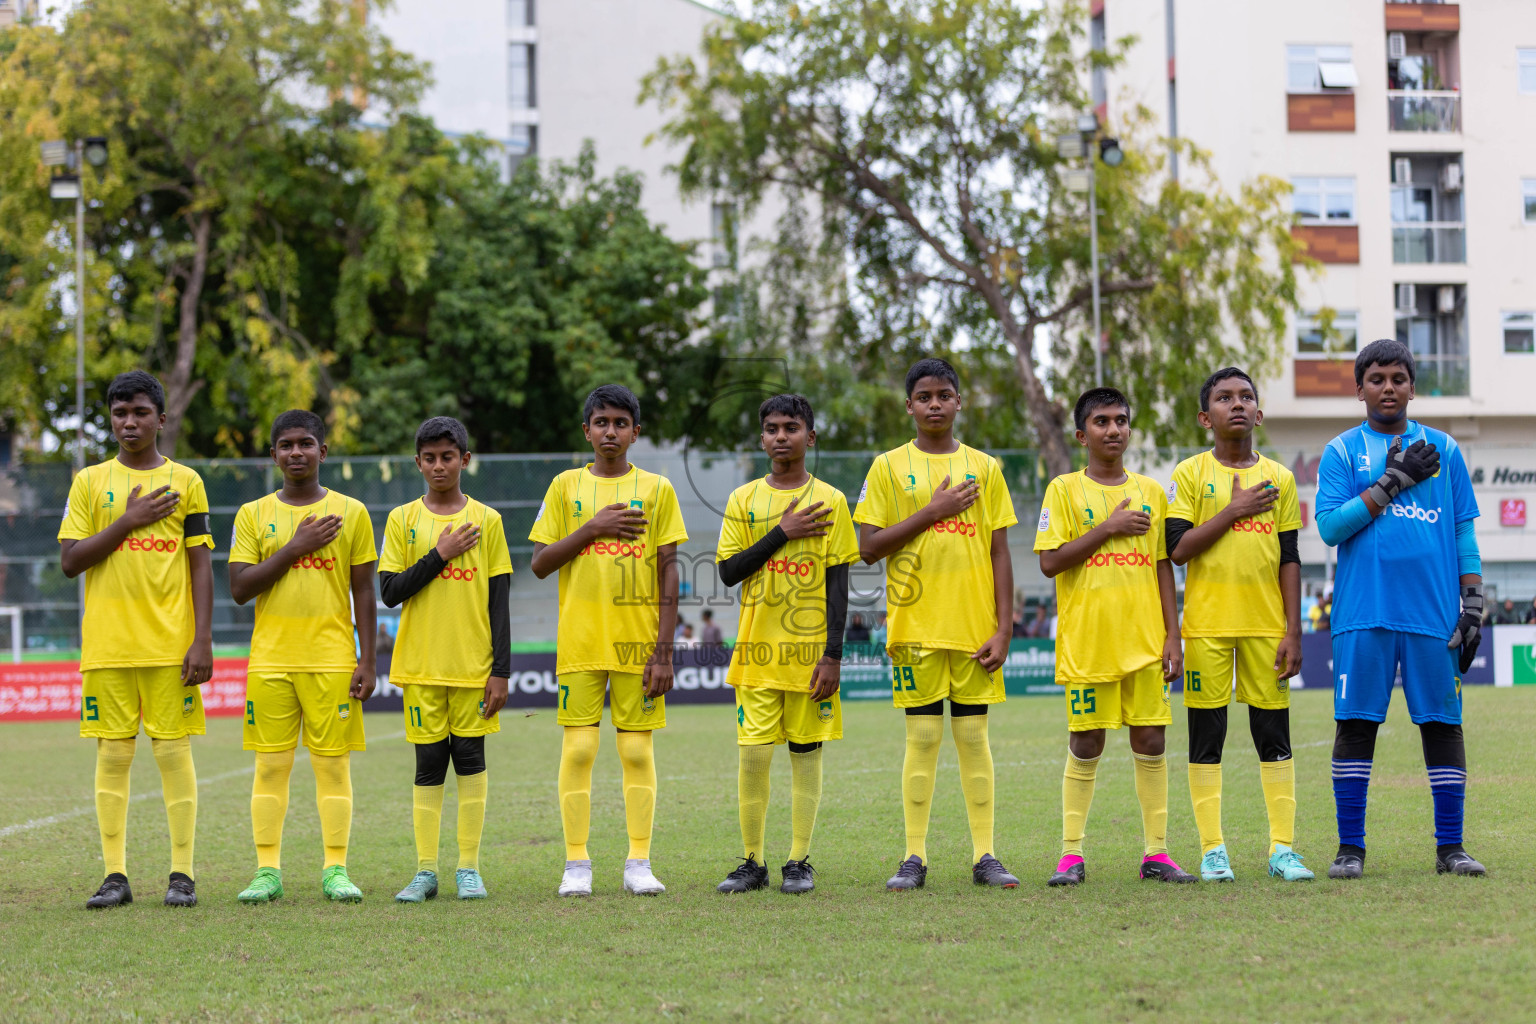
(1429, 242)
(1441, 375)
(1420, 111)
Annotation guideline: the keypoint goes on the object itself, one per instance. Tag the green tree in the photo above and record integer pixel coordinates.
(233, 140)
(924, 132)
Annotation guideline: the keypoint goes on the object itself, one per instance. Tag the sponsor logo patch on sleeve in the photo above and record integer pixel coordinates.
(1045, 519)
(541, 512)
(863, 491)
(1173, 491)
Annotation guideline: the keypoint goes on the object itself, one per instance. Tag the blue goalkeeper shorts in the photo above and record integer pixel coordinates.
(1366, 661)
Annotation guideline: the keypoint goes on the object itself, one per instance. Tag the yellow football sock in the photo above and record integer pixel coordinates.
(975, 754)
(269, 805)
(1205, 795)
(752, 762)
(472, 794)
(114, 760)
(1152, 794)
(578, 752)
(333, 797)
(924, 734)
(1279, 780)
(427, 818)
(1076, 799)
(638, 759)
(805, 799)
(178, 783)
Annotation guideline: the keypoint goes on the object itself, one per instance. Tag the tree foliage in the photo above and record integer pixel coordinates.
(924, 134)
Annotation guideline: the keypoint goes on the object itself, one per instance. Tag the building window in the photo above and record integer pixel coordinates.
(723, 233)
(1319, 68)
(1527, 60)
(1313, 341)
(1520, 333)
(1098, 84)
(521, 76)
(1323, 200)
(1528, 197)
(519, 13)
(522, 142)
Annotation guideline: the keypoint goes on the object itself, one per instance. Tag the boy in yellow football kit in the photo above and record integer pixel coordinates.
(445, 557)
(612, 530)
(1117, 637)
(306, 554)
(1233, 517)
(137, 526)
(788, 540)
(938, 511)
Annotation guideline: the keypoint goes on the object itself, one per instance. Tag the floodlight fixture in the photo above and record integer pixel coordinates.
(1111, 153)
(1069, 146)
(55, 153)
(1088, 122)
(95, 150)
(64, 186)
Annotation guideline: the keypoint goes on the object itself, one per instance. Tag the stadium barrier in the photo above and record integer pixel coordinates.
(50, 691)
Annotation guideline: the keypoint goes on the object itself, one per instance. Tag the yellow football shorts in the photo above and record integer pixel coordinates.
(276, 703)
(433, 712)
(1211, 662)
(1141, 698)
(581, 701)
(765, 715)
(921, 676)
(112, 700)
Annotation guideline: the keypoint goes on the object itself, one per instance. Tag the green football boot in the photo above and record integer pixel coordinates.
(1215, 867)
(422, 888)
(264, 888)
(338, 888)
(1286, 863)
(470, 885)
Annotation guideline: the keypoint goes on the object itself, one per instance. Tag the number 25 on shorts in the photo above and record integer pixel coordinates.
(1083, 702)
(902, 674)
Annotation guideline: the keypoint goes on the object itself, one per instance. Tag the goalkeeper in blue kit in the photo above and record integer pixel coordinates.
(1395, 498)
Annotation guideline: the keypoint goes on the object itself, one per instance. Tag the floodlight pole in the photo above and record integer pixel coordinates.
(80, 322)
(1093, 246)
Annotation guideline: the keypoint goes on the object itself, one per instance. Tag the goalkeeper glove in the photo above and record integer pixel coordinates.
(1419, 461)
(1469, 627)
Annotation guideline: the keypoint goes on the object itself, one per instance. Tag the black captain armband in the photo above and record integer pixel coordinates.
(1288, 551)
(1173, 530)
(744, 563)
(196, 525)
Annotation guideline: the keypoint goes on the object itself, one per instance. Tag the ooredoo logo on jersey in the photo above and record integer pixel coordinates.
(1124, 558)
(312, 562)
(619, 548)
(160, 544)
(1413, 510)
(453, 572)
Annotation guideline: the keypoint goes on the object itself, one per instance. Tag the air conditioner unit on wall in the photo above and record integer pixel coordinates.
(1406, 299)
(1402, 171)
(1445, 300)
(1450, 177)
(1397, 46)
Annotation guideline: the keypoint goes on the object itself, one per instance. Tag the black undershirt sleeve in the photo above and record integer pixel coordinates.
(1288, 552)
(501, 625)
(837, 610)
(1173, 530)
(744, 563)
(396, 587)
(195, 525)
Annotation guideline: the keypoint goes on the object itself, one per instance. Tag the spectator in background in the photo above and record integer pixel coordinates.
(877, 635)
(858, 632)
(1020, 627)
(1530, 613)
(1507, 614)
(1309, 610)
(384, 646)
(710, 635)
(1039, 627)
(682, 624)
(1324, 615)
(688, 639)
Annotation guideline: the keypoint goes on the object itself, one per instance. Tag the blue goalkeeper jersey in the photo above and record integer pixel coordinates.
(1400, 571)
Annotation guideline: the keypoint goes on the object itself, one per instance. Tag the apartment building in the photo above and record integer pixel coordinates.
(542, 76)
(12, 11)
(1404, 130)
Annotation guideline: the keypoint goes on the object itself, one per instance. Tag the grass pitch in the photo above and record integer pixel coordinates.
(1401, 945)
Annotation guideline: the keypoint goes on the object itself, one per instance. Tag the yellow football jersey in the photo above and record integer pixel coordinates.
(138, 600)
(782, 629)
(1233, 588)
(609, 610)
(445, 627)
(1109, 617)
(304, 620)
(939, 586)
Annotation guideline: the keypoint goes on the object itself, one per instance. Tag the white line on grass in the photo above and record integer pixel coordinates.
(156, 794)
